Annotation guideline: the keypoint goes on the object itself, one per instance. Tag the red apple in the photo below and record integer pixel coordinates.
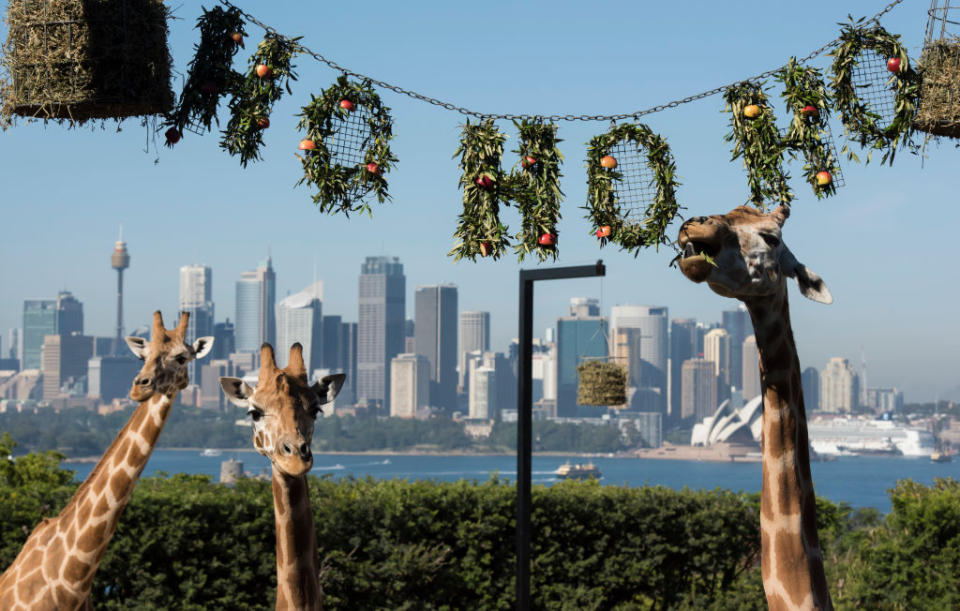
(172, 135)
(307, 144)
(608, 161)
(486, 248)
(484, 182)
(548, 239)
(264, 71)
(373, 168)
(237, 37)
(824, 178)
(604, 231)
(528, 162)
(347, 105)
(810, 111)
(751, 111)
(263, 122)
(893, 64)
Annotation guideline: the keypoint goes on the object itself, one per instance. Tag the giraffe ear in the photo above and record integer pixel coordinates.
(237, 391)
(202, 346)
(811, 285)
(138, 346)
(329, 387)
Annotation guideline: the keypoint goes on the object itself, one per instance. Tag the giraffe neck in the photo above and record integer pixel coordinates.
(791, 565)
(297, 577)
(56, 567)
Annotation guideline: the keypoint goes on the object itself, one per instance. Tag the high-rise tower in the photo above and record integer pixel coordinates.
(380, 331)
(119, 260)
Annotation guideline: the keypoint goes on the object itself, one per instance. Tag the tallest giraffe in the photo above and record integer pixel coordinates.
(55, 568)
(746, 259)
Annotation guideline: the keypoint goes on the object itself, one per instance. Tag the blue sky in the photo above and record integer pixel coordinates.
(885, 244)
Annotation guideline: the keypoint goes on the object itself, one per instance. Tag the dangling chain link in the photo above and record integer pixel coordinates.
(548, 118)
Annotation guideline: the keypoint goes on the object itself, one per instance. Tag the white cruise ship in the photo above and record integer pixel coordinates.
(847, 435)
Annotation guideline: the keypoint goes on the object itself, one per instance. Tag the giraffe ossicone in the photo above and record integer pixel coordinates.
(283, 408)
(741, 255)
(56, 566)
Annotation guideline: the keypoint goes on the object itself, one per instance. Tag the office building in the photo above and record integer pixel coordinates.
(750, 366)
(300, 319)
(380, 327)
(348, 356)
(211, 396)
(42, 317)
(482, 393)
(839, 387)
(716, 348)
(474, 335)
(409, 385)
(810, 380)
(255, 317)
(332, 344)
(738, 326)
(698, 389)
(15, 344)
(65, 360)
(196, 297)
(435, 330)
(885, 399)
(654, 345)
(111, 377)
(683, 346)
(224, 340)
(580, 335)
(626, 352)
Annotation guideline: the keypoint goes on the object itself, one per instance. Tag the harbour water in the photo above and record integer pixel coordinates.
(860, 481)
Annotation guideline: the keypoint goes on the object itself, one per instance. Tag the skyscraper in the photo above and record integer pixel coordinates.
(409, 385)
(380, 330)
(683, 346)
(435, 329)
(119, 260)
(196, 297)
(698, 389)
(716, 348)
(738, 326)
(810, 380)
(579, 335)
(255, 318)
(654, 347)
(300, 319)
(474, 335)
(224, 340)
(751, 368)
(64, 357)
(42, 317)
(332, 357)
(839, 386)
(482, 393)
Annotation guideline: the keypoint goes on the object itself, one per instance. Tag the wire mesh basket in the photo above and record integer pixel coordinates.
(872, 81)
(637, 187)
(87, 59)
(938, 112)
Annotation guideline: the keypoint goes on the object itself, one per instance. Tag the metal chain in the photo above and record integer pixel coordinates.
(548, 118)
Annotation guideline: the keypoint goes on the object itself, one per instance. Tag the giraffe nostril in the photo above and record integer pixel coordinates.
(143, 381)
(285, 448)
(304, 450)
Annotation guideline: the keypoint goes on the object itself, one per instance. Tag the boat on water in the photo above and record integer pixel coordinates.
(941, 457)
(577, 471)
(210, 452)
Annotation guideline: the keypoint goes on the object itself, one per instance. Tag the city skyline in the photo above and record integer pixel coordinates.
(873, 243)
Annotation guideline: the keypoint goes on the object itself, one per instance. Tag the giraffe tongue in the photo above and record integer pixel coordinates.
(689, 250)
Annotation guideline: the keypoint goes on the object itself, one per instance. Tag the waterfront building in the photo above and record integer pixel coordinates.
(474, 335)
(482, 393)
(698, 389)
(409, 385)
(885, 399)
(839, 387)
(435, 330)
(750, 367)
(300, 319)
(380, 330)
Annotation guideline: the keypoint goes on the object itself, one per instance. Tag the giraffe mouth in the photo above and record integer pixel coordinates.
(696, 248)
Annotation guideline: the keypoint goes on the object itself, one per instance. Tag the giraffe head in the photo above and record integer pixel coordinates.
(283, 408)
(165, 358)
(745, 255)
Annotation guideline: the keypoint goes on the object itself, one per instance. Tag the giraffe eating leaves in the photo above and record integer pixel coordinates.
(741, 255)
(283, 408)
(56, 566)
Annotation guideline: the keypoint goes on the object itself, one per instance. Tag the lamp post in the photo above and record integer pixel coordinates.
(525, 411)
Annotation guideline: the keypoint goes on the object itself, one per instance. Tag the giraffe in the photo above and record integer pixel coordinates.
(283, 408)
(56, 566)
(746, 259)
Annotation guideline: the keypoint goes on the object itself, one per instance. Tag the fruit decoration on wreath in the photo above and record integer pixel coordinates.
(809, 133)
(210, 74)
(757, 140)
(536, 188)
(485, 187)
(631, 187)
(346, 151)
(268, 76)
(889, 73)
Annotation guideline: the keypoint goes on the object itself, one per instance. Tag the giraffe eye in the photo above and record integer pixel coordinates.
(772, 241)
(255, 414)
(181, 359)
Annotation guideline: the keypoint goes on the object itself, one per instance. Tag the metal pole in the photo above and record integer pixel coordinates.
(525, 412)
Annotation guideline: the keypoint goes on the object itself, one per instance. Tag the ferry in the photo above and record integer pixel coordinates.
(210, 453)
(577, 471)
(941, 457)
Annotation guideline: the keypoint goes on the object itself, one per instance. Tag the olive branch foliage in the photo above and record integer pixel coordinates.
(603, 207)
(254, 97)
(342, 188)
(860, 121)
(809, 133)
(210, 74)
(536, 187)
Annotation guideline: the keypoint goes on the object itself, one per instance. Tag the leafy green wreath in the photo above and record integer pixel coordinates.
(345, 188)
(859, 121)
(479, 229)
(602, 206)
(210, 74)
(255, 95)
(536, 187)
(756, 138)
(809, 102)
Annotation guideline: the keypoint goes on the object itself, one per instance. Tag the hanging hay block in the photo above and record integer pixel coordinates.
(78, 60)
(601, 383)
(939, 110)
